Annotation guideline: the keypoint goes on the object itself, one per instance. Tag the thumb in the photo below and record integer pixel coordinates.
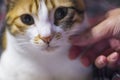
(99, 32)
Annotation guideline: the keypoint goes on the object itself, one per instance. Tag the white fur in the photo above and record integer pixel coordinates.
(19, 65)
(42, 23)
(24, 60)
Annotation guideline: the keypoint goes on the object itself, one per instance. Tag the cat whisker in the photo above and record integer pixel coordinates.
(20, 39)
(23, 43)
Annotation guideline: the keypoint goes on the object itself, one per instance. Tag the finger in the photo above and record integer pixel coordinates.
(118, 62)
(114, 43)
(88, 58)
(113, 12)
(101, 31)
(112, 59)
(101, 61)
(75, 52)
(107, 52)
(93, 52)
(85, 61)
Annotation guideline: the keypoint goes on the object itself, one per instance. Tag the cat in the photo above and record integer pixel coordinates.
(36, 40)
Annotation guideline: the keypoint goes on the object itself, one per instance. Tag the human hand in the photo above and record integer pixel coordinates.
(105, 41)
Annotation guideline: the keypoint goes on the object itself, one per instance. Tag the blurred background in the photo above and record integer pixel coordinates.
(95, 10)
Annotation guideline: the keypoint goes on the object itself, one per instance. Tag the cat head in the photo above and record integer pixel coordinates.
(44, 23)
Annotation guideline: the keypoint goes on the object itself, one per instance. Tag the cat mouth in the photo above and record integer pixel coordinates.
(51, 48)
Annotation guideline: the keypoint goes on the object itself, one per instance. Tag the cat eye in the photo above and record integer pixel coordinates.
(60, 13)
(27, 19)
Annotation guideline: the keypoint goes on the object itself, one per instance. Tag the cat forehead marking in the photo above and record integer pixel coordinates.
(43, 11)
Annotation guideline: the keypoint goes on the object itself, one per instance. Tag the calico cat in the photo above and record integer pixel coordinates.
(36, 40)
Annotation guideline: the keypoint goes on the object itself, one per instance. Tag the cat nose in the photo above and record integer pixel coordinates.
(47, 39)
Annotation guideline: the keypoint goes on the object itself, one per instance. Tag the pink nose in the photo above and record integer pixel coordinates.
(47, 39)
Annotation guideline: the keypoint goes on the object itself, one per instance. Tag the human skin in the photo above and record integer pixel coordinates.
(101, 42)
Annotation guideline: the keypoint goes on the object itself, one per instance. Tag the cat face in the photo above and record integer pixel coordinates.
(44, 23)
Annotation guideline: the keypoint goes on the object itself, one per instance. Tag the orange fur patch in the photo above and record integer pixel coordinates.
(19, 7)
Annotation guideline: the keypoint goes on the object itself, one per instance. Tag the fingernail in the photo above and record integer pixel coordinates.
(101, 63)
(114, 57)
(85, 62)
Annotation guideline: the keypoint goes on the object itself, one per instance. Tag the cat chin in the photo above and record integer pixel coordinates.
(46, 47)
(51, 48)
